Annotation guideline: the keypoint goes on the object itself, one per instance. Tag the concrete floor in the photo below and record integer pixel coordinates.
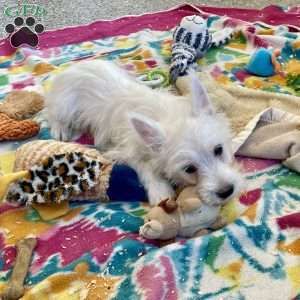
(61, 13)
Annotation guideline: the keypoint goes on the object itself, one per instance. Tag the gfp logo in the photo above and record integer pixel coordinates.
(24, 29)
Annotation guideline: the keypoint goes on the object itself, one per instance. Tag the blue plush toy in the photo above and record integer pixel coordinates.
(124, 185)
(263, 63)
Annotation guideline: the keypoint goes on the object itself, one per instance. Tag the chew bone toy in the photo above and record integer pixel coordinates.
(15, 288)
(191, 40)
(51, 172)
(188, 216)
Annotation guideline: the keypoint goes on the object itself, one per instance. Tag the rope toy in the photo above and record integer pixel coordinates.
(11, 129)
(191, 40)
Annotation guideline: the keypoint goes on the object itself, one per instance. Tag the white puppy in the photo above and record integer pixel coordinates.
(165, 138)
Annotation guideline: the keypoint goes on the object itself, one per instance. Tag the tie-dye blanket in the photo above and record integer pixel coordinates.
(94, 251)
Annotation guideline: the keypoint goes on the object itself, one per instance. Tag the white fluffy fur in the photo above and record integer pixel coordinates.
(155, 132)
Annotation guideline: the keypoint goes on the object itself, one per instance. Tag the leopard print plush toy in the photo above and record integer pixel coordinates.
(58, 178)
(48, 171)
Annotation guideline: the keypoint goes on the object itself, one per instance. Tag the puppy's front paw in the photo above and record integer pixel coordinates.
(159, 191)
(201, 232)
(219, 223)
(151, 230)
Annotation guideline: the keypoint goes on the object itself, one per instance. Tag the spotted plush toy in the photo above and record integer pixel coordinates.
(59, 177)
(53, 172)
(191, 40)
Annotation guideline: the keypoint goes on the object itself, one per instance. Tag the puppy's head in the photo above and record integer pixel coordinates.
(196, 150)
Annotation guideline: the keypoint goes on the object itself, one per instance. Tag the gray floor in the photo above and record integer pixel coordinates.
(73, 12)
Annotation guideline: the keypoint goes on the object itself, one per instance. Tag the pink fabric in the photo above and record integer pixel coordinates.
(158, 21)
(251, 197)
(101, 29)
(289, 221)
(255, 164)
(273, 15)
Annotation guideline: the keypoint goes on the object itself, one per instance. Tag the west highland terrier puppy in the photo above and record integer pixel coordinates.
(167, 139)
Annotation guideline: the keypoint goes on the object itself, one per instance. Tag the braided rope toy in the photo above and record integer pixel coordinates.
(11, 129)
(191, 40)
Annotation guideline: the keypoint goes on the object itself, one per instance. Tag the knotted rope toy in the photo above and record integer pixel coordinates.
(191, 40)
(11, 129)
(15, 111)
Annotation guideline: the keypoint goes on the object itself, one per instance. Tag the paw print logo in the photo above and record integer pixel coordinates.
(24, 33)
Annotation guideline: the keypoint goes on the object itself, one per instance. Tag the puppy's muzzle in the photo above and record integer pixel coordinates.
(225, 192)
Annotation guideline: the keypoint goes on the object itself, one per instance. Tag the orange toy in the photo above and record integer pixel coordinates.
(276, 64)
(11, 129)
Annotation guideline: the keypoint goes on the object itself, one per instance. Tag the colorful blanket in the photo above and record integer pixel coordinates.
(94, 250)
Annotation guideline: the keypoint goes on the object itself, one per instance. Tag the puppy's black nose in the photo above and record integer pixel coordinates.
(225, 192)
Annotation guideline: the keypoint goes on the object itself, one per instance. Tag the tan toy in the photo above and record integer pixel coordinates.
(35, 152)
(20, 105)
(187, 216)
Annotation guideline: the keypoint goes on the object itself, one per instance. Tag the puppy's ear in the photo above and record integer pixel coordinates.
(200, 99)
(149, 130)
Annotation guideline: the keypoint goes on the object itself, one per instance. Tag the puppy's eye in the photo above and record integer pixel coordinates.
(190, 169)
(218, 150)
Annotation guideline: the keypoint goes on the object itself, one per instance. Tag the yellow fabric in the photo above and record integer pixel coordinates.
(7, 179)
(50, 211)
(15, 226)
(74, 286)
(7, 160)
